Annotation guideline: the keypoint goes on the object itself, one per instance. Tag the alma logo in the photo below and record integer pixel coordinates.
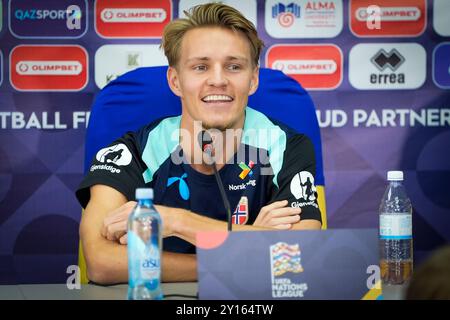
(401, 18)
(132, 19)
(304, 18)
(315, 67)
(49, 68)
(286, 14)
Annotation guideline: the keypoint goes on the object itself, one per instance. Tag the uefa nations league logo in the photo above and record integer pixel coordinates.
(285, 260)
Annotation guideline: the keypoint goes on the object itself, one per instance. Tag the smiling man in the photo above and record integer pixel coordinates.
(267, 169)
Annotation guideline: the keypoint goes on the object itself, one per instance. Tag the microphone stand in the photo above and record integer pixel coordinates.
(205, 142)
(223, 195)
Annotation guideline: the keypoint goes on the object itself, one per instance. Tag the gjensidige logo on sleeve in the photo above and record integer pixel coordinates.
(117, 155)
(303, 188)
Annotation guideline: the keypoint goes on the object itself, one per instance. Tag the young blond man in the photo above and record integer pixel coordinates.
(213, 67)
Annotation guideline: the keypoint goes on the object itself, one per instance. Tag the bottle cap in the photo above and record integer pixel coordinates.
(395, 175)
(144, 193)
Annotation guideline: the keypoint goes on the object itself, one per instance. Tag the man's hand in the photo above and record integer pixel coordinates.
(277, 215)
(115, 224)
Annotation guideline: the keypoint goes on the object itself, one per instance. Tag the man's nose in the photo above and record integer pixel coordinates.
(217, 77)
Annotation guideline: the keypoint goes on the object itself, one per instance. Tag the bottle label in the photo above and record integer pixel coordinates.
(395, 226)
(143, 261)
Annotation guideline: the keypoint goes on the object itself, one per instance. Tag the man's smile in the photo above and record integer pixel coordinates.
(214, 98)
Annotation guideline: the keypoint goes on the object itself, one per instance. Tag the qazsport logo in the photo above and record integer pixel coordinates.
(315, 67)
(49, 68)
(400, 18)
(132, 19)
(47, 19)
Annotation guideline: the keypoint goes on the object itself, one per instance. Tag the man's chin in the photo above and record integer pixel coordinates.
(221, 126)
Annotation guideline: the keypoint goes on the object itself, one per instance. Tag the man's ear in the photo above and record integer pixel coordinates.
(254, 81)
(173, 81)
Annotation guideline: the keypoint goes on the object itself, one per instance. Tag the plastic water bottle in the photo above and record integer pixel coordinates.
(396, 244)
(144, 249)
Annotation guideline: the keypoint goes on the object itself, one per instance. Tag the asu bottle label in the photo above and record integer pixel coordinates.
(396, 227)
(144, 261)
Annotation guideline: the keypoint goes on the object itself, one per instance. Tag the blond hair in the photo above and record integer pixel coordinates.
(207, 15)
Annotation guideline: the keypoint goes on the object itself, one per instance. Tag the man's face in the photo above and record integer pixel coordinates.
(214, 77)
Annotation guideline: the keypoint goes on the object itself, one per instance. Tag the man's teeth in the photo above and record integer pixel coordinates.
(217, 98)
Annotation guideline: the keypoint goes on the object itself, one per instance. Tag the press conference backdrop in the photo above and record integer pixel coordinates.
(380, 83)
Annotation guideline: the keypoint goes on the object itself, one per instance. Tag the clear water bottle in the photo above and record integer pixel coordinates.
(396, 243)
(144, 249)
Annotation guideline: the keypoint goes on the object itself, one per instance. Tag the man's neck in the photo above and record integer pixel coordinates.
(226, 144)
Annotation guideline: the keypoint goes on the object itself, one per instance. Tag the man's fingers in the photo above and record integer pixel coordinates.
(120, 213)
(117, 216)
(267, 209)
(286, 211)
(285, 220)
(283, 226)
(124, 239)
(275, 205)
(115, 228)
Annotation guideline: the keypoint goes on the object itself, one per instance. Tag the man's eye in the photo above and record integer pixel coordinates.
(234, 67)
(200, 68)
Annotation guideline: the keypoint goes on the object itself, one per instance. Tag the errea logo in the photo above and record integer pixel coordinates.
(387, 66)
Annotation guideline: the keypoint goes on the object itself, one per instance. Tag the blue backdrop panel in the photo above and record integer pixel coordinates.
(382, 98)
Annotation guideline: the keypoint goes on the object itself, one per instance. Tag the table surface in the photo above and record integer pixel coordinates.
(181, 291)
(172, 291)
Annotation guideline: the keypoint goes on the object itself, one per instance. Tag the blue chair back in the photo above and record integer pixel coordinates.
(143, 95)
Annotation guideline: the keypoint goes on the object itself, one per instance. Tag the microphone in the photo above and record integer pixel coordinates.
(205, 141)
